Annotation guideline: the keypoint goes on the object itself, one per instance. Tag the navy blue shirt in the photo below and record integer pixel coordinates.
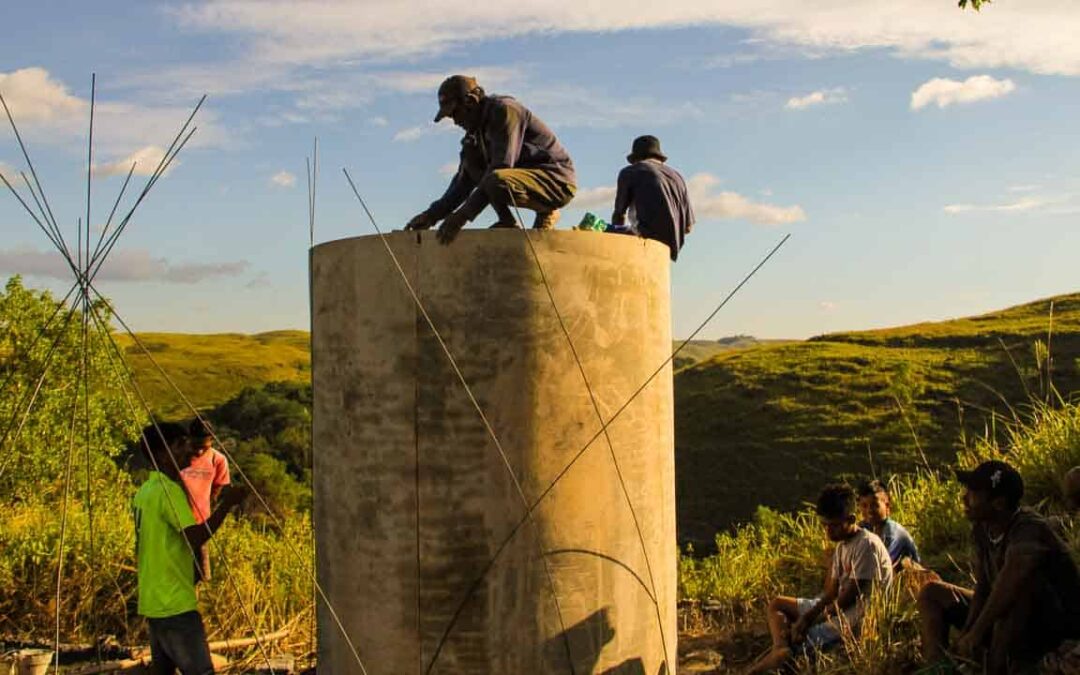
(897, 540)
(658, 194)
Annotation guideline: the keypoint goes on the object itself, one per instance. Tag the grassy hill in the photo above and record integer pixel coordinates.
(757, 422)
(770, 424)
(211, 369)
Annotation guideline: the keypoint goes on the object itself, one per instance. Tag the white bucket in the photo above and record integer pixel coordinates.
(33, 661)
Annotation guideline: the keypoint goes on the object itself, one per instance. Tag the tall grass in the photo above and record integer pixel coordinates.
(785, 553)
(261, 577)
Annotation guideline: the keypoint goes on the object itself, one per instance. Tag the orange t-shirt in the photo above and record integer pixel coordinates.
(207, 471)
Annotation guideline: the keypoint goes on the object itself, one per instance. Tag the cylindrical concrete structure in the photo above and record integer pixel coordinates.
(413, 500)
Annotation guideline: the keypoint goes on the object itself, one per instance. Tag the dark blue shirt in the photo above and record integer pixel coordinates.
(658, 194)
(897, 540)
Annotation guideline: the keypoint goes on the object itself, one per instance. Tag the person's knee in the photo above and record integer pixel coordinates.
(495, 183)
(933, 598)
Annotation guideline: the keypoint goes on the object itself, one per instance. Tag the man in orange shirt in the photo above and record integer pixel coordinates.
(203, 479)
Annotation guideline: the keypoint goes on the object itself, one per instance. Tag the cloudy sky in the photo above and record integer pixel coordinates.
(923, 158)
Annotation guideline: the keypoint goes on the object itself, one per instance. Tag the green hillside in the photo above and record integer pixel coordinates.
(211, 369)
(770, 424)
(757, 422)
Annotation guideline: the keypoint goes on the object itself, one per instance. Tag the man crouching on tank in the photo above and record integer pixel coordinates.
(509, 159)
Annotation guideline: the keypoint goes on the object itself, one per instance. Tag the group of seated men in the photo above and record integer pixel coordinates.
(1026, 599)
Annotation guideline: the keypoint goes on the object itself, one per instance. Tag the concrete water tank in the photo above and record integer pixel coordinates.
(415, 507)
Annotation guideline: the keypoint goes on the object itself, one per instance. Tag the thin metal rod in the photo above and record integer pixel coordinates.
(247, 481)
(100, 258)
(162, 165)
(90, 159)
(487, 426)
(108, 222)
(63, 522)
(33, 172)
(44, 228)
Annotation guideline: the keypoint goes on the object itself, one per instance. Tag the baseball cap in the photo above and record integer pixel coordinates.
(995, 478)
(452, 91)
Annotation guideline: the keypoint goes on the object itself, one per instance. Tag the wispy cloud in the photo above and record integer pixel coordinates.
(827, 306)
(944, 92)
(815, 98)
(1025, 204)
(732, 205)
(1024, 188)
(415, 133)
(45, 108)
(595, 198)
(707, 203)
(283, 179)
(1034, 36)
(145, 160)
(448, 169)
(124, 265)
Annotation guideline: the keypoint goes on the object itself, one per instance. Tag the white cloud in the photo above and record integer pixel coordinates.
(283, 179)
(33, 96)
(145, 159)
(827, 306)
(410, 134)
(707, 204)
(123, 265)
(45, 110)
(448, 169)
(944, 92)
(1036, 35)
(378, 121)
(1025, 204)
(819, 97)
(724, 205)
(594, 198)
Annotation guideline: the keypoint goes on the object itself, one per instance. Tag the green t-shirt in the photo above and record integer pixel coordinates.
(166, 566)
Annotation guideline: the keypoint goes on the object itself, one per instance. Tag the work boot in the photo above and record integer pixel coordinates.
(545, 220)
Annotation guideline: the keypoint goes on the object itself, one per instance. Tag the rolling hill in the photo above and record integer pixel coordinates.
(757, 422)
(771, 424)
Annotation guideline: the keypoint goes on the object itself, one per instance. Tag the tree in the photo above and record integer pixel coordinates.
(975, 4)
(78, 410)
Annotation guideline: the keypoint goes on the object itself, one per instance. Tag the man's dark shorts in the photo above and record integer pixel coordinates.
(179, 642)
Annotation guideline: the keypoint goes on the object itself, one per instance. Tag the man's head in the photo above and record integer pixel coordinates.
(1070, 487)
(459, 99)
(645, 147)
(167, 448)
(874, 502)
(836, 508)
(991, 490)
(202, 436)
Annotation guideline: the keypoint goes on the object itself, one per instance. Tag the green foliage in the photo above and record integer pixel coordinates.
(267, 432)
(770, 423)
(79, 413)
(975, 4)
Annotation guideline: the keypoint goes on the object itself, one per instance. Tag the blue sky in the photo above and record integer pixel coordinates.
(923, 158)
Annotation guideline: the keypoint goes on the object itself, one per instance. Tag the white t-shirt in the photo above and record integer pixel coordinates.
(863, 557)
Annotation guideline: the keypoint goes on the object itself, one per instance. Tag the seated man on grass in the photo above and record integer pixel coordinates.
(875, 507)
(166, 541)
(860, 563)
(1027, 587)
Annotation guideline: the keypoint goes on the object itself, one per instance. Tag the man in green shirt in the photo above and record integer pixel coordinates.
(166, 535)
